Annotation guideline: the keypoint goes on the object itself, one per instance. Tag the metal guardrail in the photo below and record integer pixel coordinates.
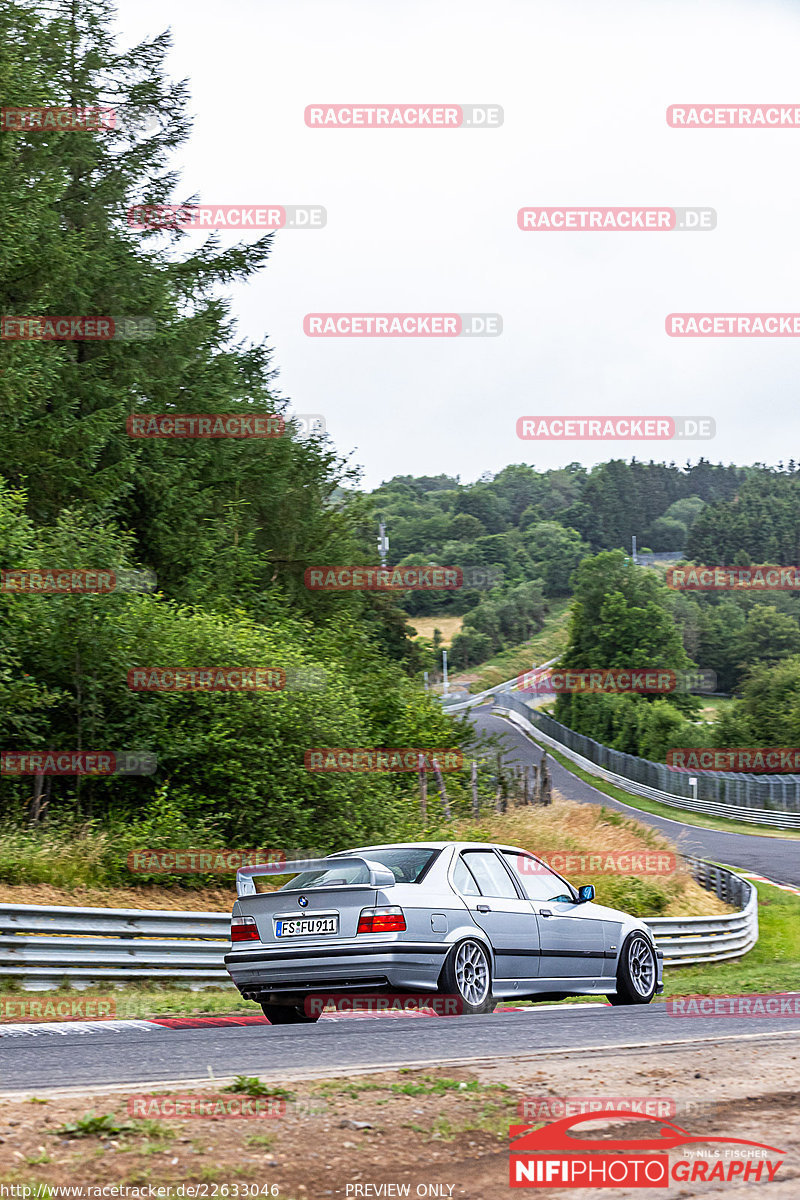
(687, 940)
(41, 946)
(536, 723)
(482, 697)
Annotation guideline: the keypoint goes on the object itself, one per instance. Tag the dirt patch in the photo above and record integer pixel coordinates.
(416, 1127)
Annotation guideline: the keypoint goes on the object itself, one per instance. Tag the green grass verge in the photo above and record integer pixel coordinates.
(132, 1002)
(773, 965)
(544, 645)
(723, 824)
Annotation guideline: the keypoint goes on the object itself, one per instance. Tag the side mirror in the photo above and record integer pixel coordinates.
(585, 893)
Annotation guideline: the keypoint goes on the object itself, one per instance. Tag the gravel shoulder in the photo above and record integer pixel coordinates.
(419, 1128)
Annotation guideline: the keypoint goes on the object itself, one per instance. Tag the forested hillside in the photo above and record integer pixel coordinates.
(533, 528)
(625, 616)
(228, 526)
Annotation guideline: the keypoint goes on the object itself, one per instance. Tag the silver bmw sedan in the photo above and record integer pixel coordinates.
(477, 922)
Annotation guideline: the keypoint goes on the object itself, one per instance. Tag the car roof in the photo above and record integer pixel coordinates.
(433, 846)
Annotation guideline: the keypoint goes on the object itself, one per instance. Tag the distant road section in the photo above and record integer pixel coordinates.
(777, 858)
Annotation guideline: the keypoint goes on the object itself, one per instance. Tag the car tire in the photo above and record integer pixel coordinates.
(637, 972)
(287, 1014)
(467, 975)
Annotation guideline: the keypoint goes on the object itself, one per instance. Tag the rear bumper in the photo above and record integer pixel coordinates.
(264, 971)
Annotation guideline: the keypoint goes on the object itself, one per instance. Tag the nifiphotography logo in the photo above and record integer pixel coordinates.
(561, 1155)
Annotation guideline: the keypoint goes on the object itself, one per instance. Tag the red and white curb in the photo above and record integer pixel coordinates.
(39, 1028)
(783, 887)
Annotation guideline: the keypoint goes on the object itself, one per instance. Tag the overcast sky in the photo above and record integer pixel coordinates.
(425, 220)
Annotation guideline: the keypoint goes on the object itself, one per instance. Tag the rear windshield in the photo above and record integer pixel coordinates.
(407, 864)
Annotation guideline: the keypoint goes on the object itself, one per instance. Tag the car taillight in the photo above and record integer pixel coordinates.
(244, 929)
(381, 920)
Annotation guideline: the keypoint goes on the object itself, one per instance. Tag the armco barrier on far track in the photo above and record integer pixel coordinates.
(757, 799)
(40, 946)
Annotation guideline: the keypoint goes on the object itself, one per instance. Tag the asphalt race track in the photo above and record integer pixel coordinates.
(138, 1052)
(331, 1047)
(777, 858)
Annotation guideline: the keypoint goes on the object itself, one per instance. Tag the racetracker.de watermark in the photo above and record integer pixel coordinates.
(760, 578)
(615, 429)
(304, 424)
(734, 116)
(77, 762)
(64, 581)
(760, 1005)
(709, 324)
(57, 1008)
(227, 216)
(618, 862)
(208, 679)
(770, 760)
(403, 116)
(642, 680)
(383, 579)
(426, 1003)
(205, 425)
(75, 328)
(553, 1108)
(57, 119)
(214, 1106)
(622, 220)
(414, 325)
(210, 861)
(359, 758)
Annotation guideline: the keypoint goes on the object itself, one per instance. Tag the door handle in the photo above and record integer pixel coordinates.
(545, 912)
(483, 908)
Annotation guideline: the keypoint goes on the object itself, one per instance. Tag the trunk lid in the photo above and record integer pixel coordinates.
(322, 904)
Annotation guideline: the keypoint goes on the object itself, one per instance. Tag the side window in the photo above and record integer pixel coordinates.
(464, 880)
(538, 881)
(492, 879)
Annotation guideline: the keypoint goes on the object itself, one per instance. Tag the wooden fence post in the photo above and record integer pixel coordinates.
(440, 781)
(546, 784)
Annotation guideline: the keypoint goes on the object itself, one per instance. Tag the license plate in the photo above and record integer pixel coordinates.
(305, 926)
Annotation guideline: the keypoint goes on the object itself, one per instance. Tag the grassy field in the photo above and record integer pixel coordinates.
(713, 708)
(447, 626)
(563, 828)
(546, 644)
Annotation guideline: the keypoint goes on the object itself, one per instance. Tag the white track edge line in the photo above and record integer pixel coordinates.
(344, 1070)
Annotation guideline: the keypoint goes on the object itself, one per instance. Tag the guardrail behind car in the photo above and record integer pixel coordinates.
(43, 945)
(771, 799)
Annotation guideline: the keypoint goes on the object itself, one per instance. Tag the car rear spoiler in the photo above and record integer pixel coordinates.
(379, 875)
